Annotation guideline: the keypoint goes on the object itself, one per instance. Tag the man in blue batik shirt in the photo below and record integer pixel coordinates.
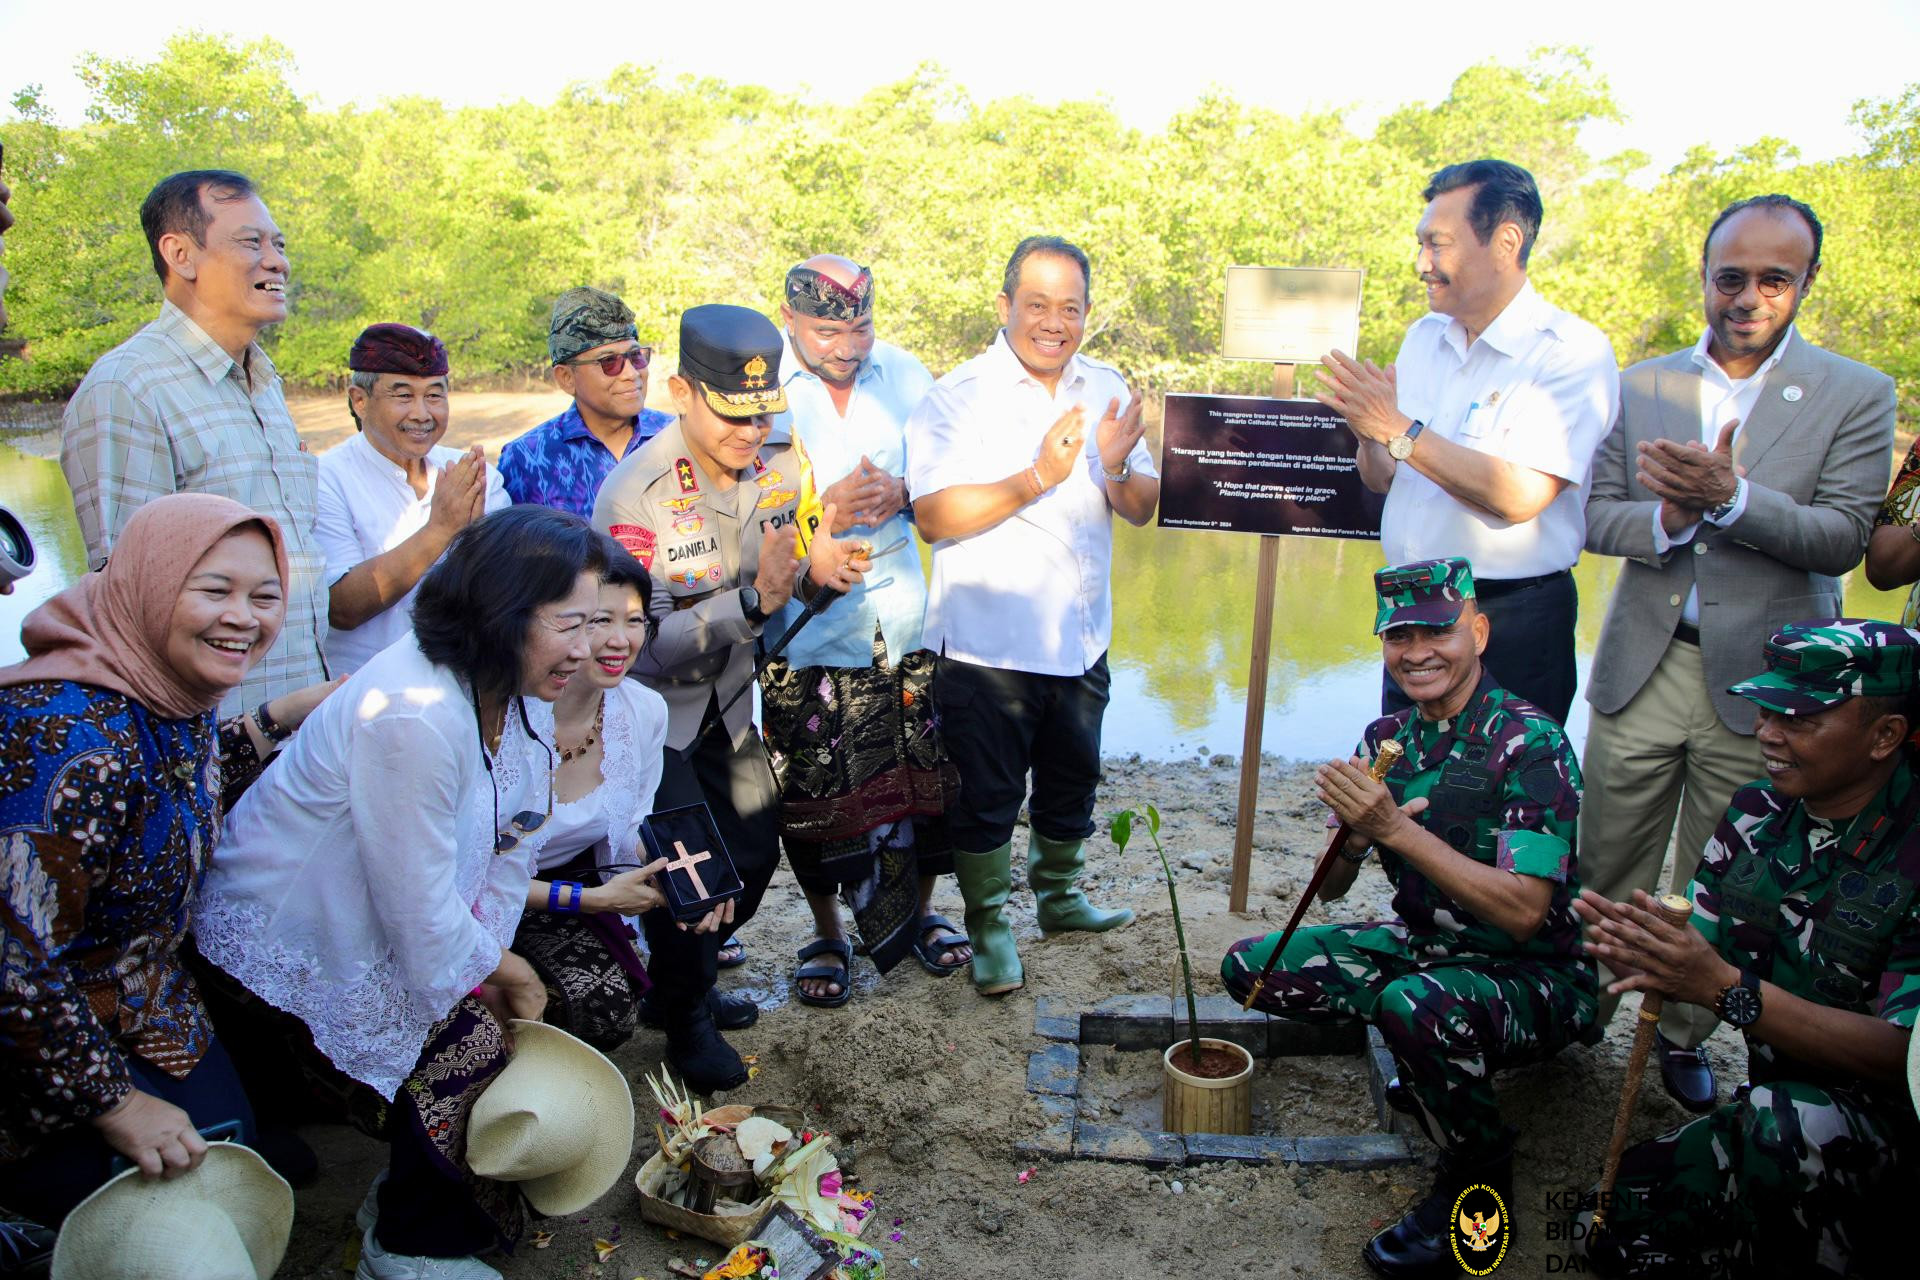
(598, 359)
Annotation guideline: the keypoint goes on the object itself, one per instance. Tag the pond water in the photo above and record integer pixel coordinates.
(1183, 627)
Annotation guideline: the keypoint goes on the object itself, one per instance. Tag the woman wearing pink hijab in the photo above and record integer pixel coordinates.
(112, 770)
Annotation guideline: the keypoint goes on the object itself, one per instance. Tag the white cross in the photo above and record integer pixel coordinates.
(689, 862)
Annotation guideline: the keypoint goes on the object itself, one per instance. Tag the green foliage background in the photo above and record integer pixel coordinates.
(469, 221)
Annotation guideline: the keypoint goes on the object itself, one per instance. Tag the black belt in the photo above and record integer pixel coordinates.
(1687, 633)
(1493, 588)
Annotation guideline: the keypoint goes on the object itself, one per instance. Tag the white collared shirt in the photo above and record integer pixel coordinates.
(367, 507)
(889, 387)
(1539, 388)
(1722, 400)
(357, 886)
(1032, 593)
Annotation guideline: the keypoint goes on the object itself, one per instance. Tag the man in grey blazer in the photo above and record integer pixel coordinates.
(1739, 481)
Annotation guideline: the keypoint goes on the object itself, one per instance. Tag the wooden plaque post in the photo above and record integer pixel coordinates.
(1256, 691)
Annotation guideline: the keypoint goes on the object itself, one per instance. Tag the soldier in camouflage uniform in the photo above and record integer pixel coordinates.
(1482, 965)
(1806, 935)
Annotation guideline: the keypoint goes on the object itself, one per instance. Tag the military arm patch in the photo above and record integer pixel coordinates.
(637, 539)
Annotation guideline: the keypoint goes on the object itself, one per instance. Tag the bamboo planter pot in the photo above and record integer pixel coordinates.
(1193, 1104)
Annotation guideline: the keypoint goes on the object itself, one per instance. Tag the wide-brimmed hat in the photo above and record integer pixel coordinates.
(227, 1220)
(558, 1121)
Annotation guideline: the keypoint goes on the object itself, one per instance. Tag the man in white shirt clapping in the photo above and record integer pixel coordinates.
(1017, 461)
(391, 498)
(1482, 431)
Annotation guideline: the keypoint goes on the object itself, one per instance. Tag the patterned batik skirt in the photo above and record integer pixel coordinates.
(864, 786)
(593, 974)
(464, 1051)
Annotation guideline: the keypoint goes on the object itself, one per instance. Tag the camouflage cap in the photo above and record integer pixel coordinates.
(1819, 664)
(1426, 593)
(586, 318)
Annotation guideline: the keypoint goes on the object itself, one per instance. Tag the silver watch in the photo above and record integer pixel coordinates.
(1122, 475)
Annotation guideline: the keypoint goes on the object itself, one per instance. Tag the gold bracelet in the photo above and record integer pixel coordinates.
(1035, 483)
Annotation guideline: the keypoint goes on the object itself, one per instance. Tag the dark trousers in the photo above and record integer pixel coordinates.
(736, 783)
(72, 1164)
(1530, 644)
(998, 725)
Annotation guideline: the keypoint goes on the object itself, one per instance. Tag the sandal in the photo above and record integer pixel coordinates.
(733, 954)
(841, 973)
(946, 939)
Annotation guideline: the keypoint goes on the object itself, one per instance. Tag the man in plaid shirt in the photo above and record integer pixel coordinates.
(191, 404)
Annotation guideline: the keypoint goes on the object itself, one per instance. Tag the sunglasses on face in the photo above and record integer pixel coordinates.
(638, 357)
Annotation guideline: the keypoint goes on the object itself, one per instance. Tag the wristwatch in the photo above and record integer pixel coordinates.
(1400, 448)
(1725, 509)
(1122, 475)
(1739, 1005)
(750, 605)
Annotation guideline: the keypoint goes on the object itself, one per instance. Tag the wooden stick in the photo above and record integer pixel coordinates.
(1390, 753)
(1674, 909)
(1256, 714)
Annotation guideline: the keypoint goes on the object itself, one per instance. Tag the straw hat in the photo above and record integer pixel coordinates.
(558, 1121)
(227, 1220)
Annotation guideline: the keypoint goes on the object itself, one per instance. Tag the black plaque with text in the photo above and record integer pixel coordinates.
(1249, 464)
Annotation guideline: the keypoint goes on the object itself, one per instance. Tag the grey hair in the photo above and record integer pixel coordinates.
(366, 380)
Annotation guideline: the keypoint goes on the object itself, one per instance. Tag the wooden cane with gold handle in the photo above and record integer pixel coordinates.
(1674, 909)
(1389, 755)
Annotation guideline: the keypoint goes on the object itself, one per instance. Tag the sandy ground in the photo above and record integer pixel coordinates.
(924, 1082)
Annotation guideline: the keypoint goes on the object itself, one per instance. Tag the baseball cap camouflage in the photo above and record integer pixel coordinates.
(1426, 593)
(1819, 664)
(586, 318)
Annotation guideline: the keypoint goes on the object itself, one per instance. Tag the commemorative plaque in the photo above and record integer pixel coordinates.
(699, 875)
(1290, 315)
(1249, 464)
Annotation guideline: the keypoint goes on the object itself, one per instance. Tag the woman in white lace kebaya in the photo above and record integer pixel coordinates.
(370, 883)
(611, 733)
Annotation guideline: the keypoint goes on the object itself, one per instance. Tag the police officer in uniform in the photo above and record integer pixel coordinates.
(1805, 935)
(1481, 966)
(714, 519)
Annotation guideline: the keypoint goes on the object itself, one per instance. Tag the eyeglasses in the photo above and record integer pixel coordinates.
(1771, 285)
(638, 357)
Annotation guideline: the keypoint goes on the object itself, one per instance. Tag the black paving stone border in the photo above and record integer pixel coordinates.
(1147, 1022)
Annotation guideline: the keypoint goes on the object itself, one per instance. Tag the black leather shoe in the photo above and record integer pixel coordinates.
(26, 1248)
(730, 1012)
(1420, 1245)
(699, 1056)
(1686, 1073)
